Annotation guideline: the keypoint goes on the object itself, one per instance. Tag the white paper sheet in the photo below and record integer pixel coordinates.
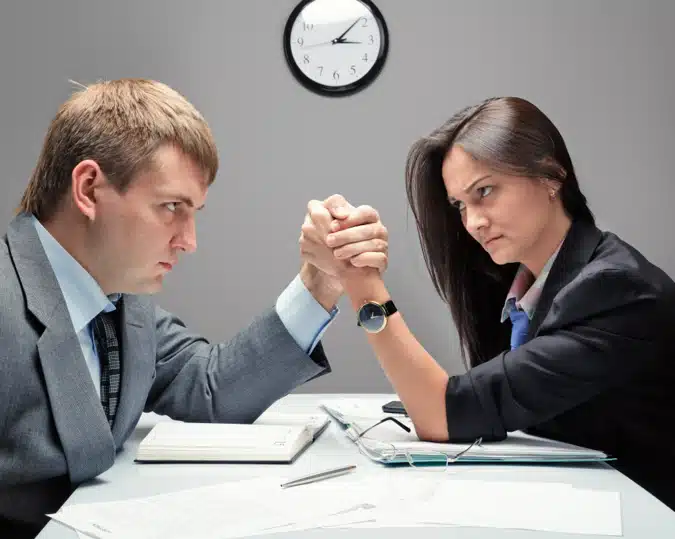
(234, 509)
(532, 506)
(552, 507)
(413, 499)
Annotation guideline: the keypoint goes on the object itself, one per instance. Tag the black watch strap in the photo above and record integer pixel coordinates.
(389, 308)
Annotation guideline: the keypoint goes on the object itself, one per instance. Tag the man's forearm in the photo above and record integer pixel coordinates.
(324, 288)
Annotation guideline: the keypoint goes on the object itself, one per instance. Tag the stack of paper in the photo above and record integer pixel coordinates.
(224, 511)
(260, 506)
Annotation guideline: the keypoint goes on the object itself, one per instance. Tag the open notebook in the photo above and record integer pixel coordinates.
(273, 438)
(389, 444)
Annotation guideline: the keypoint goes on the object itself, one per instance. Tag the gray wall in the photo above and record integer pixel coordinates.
(602, 70)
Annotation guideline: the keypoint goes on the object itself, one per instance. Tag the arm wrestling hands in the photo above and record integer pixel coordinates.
(338, 242)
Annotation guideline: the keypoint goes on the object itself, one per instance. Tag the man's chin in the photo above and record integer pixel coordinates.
(155, 286)
(147, 288)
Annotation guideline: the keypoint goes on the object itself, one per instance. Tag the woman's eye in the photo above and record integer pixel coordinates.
(484, 191)
(457, 204)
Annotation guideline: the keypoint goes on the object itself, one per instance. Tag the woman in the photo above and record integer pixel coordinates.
(566, 328)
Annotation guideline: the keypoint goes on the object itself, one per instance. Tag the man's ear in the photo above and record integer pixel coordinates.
(87, 178)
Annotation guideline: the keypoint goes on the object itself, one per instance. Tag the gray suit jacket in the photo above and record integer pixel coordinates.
(53, 432)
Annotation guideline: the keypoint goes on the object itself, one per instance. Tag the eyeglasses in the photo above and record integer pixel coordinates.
(388, 453)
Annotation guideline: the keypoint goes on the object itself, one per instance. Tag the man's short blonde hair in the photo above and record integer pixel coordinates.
(120, 124)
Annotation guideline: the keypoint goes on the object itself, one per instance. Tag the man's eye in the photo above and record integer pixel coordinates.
(484, 191)
(171, 206)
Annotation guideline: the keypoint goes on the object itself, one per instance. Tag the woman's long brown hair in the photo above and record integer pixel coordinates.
(510, 135)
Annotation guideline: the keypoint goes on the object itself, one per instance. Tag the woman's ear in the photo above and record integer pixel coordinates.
(553, 186)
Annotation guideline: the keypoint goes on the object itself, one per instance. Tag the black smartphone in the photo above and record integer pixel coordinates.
(394, 407)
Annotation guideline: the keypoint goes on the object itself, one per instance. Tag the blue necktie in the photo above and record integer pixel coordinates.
(520, 323)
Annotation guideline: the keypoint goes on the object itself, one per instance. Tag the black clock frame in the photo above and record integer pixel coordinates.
(349, 89)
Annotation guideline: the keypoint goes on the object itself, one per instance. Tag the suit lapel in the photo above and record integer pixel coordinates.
(138, 363)
(577, 249)
(78, 415)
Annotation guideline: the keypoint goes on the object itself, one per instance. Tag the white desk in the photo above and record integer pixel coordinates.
(643, 515)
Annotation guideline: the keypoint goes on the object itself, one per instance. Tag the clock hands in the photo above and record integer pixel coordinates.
(340, 38)
(318, 44)
(332, 42)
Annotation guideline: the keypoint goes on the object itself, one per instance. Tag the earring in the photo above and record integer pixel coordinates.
(552, 193)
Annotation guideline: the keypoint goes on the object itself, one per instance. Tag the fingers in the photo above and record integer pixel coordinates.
(375, 245)
(319, 213)
(357, 234)
(357, 216)
(378, 261)
(317, 220)
(336, 236)
(314, 251)
(338, 206)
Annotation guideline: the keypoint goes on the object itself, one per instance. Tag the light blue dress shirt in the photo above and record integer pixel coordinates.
(84, 297)
(305, 319)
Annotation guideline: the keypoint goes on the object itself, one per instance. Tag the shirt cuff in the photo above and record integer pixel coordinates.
(304, 317)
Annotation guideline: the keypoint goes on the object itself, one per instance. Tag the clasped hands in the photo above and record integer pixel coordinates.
(343, 242)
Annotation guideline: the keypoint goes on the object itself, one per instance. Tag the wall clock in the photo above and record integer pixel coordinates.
(336, 47)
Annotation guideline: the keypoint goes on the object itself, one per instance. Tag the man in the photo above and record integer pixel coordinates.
(83, 352)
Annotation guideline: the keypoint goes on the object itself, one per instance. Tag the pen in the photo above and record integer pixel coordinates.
(319, 476)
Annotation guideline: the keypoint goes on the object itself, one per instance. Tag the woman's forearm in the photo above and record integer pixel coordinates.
(417, 378)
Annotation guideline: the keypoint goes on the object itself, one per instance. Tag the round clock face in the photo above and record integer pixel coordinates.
(335, 47)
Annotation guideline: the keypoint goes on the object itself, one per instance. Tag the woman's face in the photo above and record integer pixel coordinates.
(510, 216)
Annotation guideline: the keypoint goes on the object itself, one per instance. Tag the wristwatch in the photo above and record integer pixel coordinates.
(372, 316)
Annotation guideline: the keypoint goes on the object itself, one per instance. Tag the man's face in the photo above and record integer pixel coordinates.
(140, 234)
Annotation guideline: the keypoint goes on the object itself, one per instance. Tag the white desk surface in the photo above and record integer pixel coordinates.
(642, 514)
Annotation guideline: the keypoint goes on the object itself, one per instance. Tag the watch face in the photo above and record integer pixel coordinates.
(372, 317)
(335, 47)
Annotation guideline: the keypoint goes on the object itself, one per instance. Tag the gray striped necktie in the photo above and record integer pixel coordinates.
(107, 345)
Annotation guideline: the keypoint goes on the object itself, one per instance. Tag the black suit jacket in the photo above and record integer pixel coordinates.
(597, 369)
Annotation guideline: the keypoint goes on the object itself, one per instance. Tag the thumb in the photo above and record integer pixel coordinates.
(338, 206)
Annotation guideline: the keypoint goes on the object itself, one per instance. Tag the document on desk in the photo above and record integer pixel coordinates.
(551, 507)
(389, 444)
(222, 511)
(395, 499)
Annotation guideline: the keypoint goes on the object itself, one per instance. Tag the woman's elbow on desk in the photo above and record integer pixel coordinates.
(435, 431)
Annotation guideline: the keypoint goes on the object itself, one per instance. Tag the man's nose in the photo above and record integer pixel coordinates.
(186, 240)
